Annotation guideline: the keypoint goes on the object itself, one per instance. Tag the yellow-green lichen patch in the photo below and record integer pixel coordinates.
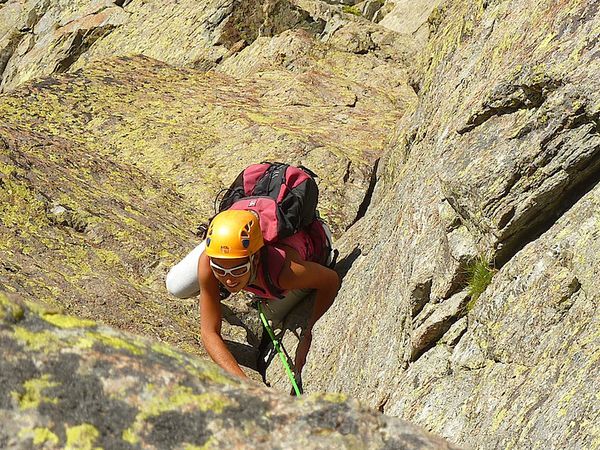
(82, 437)
(85, 342)
(33, 393)
(175, 398)
(211, 372)
(130, 436)
(182, 397)
(78, 259)
(337, 397)
(44, 340)
(39, 435)
(115, 342)
(108, 257)
(498, 419)
(10, 310)
(63, 321)
(210, 443)
(167, 351)
(351, 10)
(19, 207)
(43, 435)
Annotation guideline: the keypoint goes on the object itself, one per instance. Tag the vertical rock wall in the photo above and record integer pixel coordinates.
(500, 161)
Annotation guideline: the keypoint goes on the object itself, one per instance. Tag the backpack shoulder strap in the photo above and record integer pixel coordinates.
(271, 286)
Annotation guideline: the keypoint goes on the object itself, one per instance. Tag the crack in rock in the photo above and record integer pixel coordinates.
(438, 323)
(508, 98)
(364, 206)
(81, 41)
(9, 50)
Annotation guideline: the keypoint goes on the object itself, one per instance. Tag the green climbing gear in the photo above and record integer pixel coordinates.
(282, 356)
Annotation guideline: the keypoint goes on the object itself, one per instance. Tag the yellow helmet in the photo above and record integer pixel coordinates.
(234, 234)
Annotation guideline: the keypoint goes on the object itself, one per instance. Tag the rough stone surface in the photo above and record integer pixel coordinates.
(409, 16)
(506, 133)
(433, 325)
(498, 160)
(184, 125)
(91, 234)
(39, 37)
(102, 186)
(69, 383)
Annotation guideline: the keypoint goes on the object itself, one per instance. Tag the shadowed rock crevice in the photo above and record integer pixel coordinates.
(250, 19)
(510, 248)
(420, 296)
(81, 41)
(582, 175)
(9, 49)
(433, 324)
(364, 206)
(509, 98)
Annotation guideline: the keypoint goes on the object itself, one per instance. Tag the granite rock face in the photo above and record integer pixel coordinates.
(107, 169)
(67, 382)
(185, 125)
(106, 174)
(499, 161)
(39, 37)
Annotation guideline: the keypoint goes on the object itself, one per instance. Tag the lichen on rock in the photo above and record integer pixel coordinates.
(505, 134)
(103, 396)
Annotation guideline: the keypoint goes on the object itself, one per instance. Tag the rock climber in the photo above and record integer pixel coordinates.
(235, 256)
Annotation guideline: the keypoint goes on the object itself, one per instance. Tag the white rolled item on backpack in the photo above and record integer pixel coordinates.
(182, 279)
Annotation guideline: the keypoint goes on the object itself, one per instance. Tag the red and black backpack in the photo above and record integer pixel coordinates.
(285, 198)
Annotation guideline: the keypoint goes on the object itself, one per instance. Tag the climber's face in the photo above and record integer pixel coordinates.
(234, 274)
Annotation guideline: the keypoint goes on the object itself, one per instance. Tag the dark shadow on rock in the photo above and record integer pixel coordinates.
(245, 355)
(362, 209)
(234, 320)
(345, 264)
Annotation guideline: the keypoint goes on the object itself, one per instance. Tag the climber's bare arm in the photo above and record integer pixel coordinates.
(210, 320)
(299, 274)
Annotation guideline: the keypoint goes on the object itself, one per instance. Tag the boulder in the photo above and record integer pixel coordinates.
(69, 382)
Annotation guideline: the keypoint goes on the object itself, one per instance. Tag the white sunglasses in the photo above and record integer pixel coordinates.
(237, 271)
